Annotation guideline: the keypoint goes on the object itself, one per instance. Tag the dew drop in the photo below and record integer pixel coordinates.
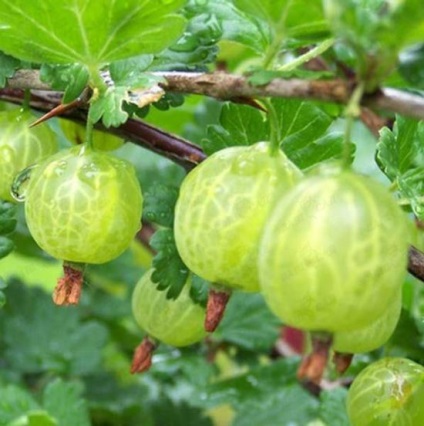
(20, 183)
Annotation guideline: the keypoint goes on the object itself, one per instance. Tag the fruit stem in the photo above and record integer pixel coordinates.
(89, 133)
(26, 100)
(352, 111)
(342, 361)
(279, 34)
(274, 126)
(215, 308)
(306, 57)
(69, 287)
(142, 358)
(313, 365)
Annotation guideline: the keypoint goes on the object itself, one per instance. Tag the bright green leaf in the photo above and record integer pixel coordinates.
(170, 272)
(125, 72)
(108, 107)
(64, 401)
(89, 32)
(35, 418)
(249, 323)
(400, 149)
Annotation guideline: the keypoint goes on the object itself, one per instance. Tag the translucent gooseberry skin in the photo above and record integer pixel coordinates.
(21, 146)
(387, 392)
(372, 336)
(75, 133)
(178, 322)
(334, 253)
(83, 205)
(222, 207)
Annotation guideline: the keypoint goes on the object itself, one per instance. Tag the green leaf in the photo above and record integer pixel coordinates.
(411, 186)
(72, 79)
(90, 32)
(170, 272)
(8, 219)
(291, 405)
(41, 337)
(304, 130)
(8, 65)
(249, 323)
(239, 125)
(231, 23)
(411, 65)
(333, 407)
(108, 107)
(15, 402)
(35, 418)
(199, 290)
(127, 71)
(401, 148)
(6, 246)
(159, 204)
(64, 401)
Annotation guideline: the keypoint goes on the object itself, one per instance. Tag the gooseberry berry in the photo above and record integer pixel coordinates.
(83, 205)
(21, 146)
(387, 392)
(334, 252)
(176, 322)
(222, 207)
(372, 336)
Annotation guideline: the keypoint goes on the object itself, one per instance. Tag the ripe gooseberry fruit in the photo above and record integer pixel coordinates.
(21, 146)
(176, 322)
(222, 207)
(372, 336)
(387, 392)
(334, 252)
(75, 133)
(83, 206)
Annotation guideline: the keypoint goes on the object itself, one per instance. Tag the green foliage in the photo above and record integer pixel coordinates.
(170, 272)
(400, 155)
(8, 65)
(159, 203)
(412, 65)
(7, 226)
(89, 33)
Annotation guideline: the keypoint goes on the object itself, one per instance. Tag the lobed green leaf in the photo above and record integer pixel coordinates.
(8, 66)
(170, 272)
(159, 204)
(89, 32)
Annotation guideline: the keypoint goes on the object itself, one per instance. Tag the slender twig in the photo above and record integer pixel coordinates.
(138, 132)
(227, 86)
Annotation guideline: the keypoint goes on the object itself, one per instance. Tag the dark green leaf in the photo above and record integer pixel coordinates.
(72, 79)
(64, 402)
(159, 204)
(167, 412)
(258, 384)
(291, 405)
(170, 272)
(8, 65)
(411, 186)
(412, 65)
(109, 107)
(239, 125)
(400, 149)
(333, 407)
(6, 246)
(199, 290)
(42, 337)
(90, 33)
(249, 323)
(8, 219)
(14, 403)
